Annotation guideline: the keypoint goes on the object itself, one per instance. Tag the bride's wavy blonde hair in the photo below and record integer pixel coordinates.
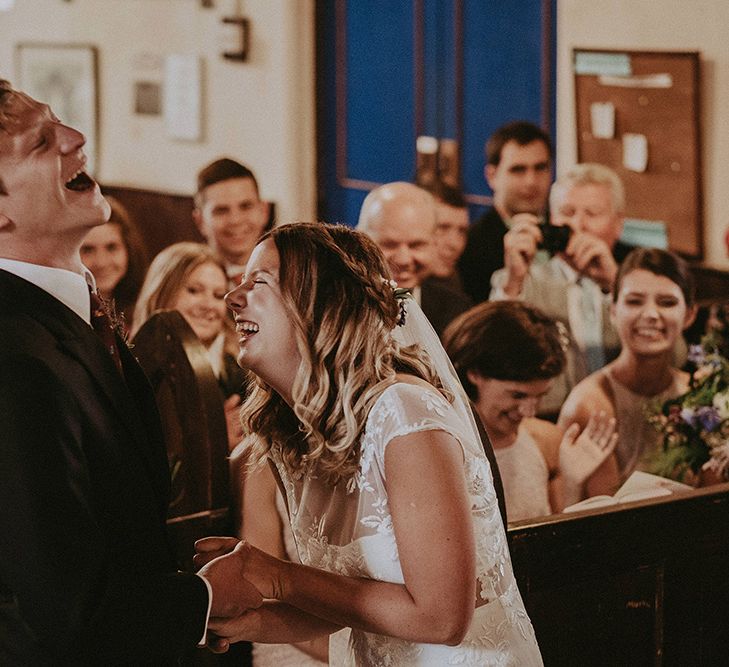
(335, 286)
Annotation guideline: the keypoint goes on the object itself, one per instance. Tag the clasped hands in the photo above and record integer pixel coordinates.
(241, 577)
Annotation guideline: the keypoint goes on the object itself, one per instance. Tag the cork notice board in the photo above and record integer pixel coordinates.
(638, 112)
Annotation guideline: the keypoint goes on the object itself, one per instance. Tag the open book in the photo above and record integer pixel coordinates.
(639, 486)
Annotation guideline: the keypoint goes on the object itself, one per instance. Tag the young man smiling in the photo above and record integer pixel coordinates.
(518, 171)
(229, 213)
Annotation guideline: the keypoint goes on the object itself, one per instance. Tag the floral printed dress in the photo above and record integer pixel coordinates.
(349, 531)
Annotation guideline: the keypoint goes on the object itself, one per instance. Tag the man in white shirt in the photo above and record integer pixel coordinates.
(574, 285)
(86, 572)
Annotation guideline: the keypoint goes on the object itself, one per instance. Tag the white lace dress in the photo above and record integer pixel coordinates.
(349, 531)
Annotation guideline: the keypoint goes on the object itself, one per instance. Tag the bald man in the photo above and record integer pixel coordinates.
(401, 218)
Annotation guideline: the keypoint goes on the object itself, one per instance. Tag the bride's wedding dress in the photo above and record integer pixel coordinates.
(348, 530)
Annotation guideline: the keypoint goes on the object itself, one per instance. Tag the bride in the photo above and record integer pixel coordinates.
(390, 496)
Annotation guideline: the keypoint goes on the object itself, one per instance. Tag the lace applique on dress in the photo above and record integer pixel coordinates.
(348, 529)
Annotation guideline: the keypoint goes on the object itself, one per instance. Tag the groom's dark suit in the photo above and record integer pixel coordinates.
(86, 575)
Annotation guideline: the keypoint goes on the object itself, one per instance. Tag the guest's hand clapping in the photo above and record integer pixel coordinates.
(581, 454)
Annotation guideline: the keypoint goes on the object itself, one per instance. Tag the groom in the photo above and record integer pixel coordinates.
(86, 574)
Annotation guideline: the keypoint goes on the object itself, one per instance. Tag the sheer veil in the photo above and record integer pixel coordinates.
(416, 329)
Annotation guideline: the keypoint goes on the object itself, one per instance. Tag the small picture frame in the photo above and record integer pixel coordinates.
(65, 77)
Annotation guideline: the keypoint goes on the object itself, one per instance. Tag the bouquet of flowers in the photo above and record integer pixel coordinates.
(695, 425)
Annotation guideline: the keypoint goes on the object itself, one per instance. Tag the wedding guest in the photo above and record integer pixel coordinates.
(189, 277)
(86, 573)
(451, 232)
(230, 213)
(507, 355)
(116, 255)
(518, 170)
(402, 219)
(653, 302)
(388, 489)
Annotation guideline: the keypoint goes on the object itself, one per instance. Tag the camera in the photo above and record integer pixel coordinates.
(554, 237)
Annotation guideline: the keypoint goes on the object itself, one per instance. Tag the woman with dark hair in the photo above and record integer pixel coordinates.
(508, 355)
(653, 302)
(115, 254)
(389, 492)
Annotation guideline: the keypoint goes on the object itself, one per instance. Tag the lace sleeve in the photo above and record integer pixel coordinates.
(407, 408)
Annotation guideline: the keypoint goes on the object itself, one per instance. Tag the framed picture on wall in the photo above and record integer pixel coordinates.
(64, 76)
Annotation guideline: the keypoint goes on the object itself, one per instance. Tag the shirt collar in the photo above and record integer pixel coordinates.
(70, 288)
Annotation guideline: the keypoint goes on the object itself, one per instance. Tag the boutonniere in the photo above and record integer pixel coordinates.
(117, 321)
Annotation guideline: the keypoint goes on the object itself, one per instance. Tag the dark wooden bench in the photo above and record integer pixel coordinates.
(645, 583)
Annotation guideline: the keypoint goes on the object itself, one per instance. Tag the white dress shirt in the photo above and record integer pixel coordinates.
(70, 288)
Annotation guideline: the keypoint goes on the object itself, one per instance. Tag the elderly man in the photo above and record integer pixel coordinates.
(518, 171)
(230, 213)
(401, 218)
(574, 285)
(86, 571)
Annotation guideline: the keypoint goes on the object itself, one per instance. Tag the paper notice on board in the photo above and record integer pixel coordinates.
(635, 152)
(602, 120)
(638, 81)
(601, 63)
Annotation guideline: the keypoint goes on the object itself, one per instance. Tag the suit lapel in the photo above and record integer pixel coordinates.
(76, 339)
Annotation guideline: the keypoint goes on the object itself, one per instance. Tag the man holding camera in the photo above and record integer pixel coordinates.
(574, 284)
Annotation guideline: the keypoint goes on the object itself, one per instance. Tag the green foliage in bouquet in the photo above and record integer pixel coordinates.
(695, 425)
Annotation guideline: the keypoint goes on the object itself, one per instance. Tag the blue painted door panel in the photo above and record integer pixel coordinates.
(390, 70)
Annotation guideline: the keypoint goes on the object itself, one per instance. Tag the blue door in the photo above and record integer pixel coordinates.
(389, 71)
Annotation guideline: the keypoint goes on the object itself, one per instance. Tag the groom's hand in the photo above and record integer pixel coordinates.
(233, 594)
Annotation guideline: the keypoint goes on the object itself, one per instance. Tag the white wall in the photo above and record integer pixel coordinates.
(260, 112)
(698, 25)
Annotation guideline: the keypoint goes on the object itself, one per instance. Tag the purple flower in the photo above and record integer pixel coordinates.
(696, 354)
(709, 417)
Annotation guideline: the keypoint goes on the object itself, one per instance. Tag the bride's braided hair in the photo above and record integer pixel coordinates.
(335, 284)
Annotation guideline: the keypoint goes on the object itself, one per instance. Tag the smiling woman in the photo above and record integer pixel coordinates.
(116, 255)
(653, 302)
(189, 277)
(508, 355)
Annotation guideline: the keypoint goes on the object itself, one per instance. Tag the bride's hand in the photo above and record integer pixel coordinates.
(241, 578)
(226, 631)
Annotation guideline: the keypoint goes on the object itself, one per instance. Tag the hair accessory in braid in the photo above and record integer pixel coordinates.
(400, 294)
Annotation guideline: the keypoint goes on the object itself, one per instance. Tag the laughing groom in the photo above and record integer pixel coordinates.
(86, 573)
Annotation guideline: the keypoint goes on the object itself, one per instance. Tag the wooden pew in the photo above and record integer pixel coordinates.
(643, 583)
